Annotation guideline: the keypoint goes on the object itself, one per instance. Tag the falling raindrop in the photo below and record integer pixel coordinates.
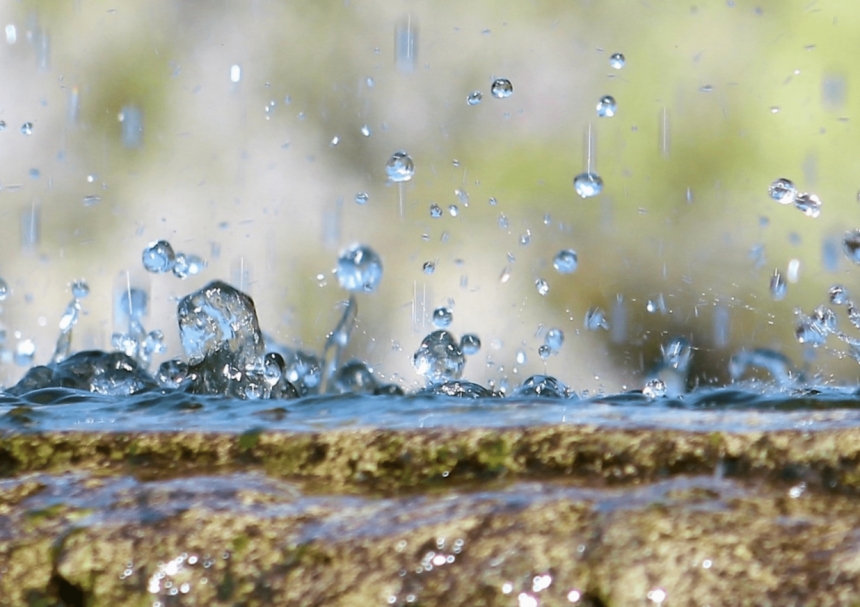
(442, 317)
(400, 167)
(158, 257)
(453, 210)
(838, 295)
(501, 88)
(365, 130)
(187, 265)
(80, 289)
(595, 319)
(565, 261)
(588, 184)
(783, 191)
(435, 211)
(27, 128)
(542, 286)
(616, 60)
(359, 268)
(851, 245)
(810, 204)
(361, 198)
(778, 286)
(474, 98)
(429, 267)
(470, 344)
(606, 106)
(554, 339)
(4, 290)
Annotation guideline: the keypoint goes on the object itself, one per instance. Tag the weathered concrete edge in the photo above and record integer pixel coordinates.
(385, 459)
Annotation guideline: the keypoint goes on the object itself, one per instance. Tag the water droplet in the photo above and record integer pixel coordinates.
(474, 98)
(851, 245)
(778, 286)
(462, 196)
(542, 286)
(654, 388)
(616, 60)
(334, 141)
(470, 344)
(439, 357)
(521, 357)
(493, 202)
(365, 130)
(588, 184)
(359, 268)
(4, 290)
(187, 265)
(810, 332)
(80, 289)
(429, 267)
(25, 351)
(442, 317)
(544, 352)
(235, 73)
(400, 167)
(91, 200)
(435, 211)
(606, 106)
(501, 88)
(656, 304)
(595, 319)
(553, 340)
(838, 295)
(525, 239)
(361, 198)
(27, 128)
(503, 221)
(783, 191)
(453, 210)
(677, 353)
(565, 261)
(810, 204)
(158, 257)
(2, 125)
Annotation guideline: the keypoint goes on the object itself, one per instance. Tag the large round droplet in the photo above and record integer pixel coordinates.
(439, 357)
(359, 268)
(782, 190)
(851, 245)
(617, 61)
(400, 167)
(565, 261)
(606, 106)
(588, 184)
(158, 257)
(443, 317)
(470, 344)
(502, 88)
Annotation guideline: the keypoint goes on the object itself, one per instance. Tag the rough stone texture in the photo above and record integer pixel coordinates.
(437, 517)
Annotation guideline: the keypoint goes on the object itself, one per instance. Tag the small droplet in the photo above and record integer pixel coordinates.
(435, 211)
(187, 265)
(654, 388)
(493, 202)
(525, 239)
(4, 290)
(606, 106)
(365, 130)
(442, 317)
(429, 267)
(554, 339)
(542, 286)
(588, 184)
(838, 295)
(595, 319)
(810, 204)
(25, 351)
(616, 60)
(158, 257)
(474, 98)
(2, 125)
(359, 268)
(361, 198)
(400, 167)
(778, 286)
(783, 191)
(502, 88)
(91, 200)
(470, 344)
(453, 210)
(851, 245)
(521, 357)
(80, 289)
(565, 261)
(544, 352)
(27, 128)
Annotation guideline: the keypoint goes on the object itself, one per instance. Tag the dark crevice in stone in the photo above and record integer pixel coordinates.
(70, 595)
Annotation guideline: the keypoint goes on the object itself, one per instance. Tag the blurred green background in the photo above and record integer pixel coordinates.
(717, 99)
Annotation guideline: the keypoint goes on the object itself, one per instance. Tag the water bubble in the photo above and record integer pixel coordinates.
(361, 198)
(838, 295)
(4, 290)
(542, 286)
(616, 60)
(783, 191)
(429, 267)
(778, 286)
(439, 357)
(565, 261)
(810, 204)
(442, 317)
(595, 319)
(493, 202)
(400, 167)
(502, 88)
(588, 184)
(553, 340)
(158, 257)
(654, 388)
(359, 268)
(470, 344)
(474, 98)
(677, 353)
(187, 265)
(435, 211)
(27, 128)
(454, 210)
(606, 106)
(851, 245)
